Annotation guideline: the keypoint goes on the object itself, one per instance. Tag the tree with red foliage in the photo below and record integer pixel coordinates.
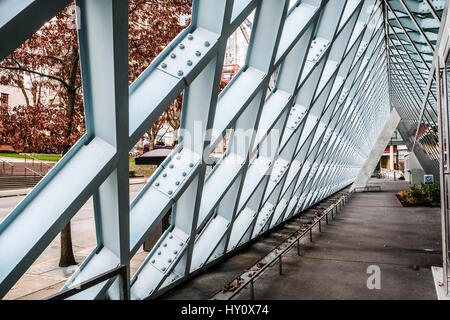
(48, 62)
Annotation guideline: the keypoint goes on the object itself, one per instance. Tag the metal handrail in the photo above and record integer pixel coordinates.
(336, 206)
(36, 159)
(120, 271)
(35, 172)
(8, 163)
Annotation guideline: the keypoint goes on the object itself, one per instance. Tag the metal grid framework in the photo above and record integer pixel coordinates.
(440, 71)
(288, 150)
(412, 33)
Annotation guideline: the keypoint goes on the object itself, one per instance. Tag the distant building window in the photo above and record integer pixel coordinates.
(4, 97)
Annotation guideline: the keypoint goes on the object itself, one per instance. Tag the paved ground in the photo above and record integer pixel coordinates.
(45, 277)
(373, 230)
(208, 283)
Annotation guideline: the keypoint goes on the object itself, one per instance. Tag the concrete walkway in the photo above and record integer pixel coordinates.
(45, 277)
(372, 230)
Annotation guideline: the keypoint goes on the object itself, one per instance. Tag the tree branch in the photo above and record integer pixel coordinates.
(37, 73)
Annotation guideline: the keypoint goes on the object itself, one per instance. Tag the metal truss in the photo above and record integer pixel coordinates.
(287, 150)
(441, 72)
(412, 29)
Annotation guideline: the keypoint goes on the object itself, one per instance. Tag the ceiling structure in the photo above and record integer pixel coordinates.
(341, 66)
(412, 29)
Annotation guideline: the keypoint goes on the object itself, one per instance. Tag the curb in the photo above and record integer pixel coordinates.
(14, 193)
(24, 192)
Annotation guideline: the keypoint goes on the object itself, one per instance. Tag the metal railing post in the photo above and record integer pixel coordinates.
(281, 264)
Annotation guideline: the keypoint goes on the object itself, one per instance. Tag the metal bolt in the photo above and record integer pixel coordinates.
(175, 252)
(170, 260)
(163, 269)
(170, 192)
(173, 55)
(190, 37)
(153, 261)
(181, 46)
(177, 183)
(171, 166)
(159, 253)
(198, 53)
(181, 244)
(206, 43)
(191, 164)
(164, 175)
(157, 184)
(164, 65)
(184, 174)
(189, 63)
(165, 245)
(180, 73)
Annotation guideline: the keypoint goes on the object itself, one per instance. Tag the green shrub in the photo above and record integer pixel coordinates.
(415, 193)
(433, 190)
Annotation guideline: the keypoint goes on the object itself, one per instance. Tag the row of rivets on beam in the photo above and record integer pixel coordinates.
(265, 213)
(296, 116)
(279, 168)
(436, 4)
(167, 252)
(187, 54)
(317, 49)
(176, 171)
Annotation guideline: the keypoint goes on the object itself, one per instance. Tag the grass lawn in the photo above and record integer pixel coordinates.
(23, 156)
(141, 170)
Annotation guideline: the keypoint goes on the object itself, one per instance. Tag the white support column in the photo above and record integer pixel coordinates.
(377, 151)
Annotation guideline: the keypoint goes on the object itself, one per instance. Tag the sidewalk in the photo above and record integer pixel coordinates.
(45, 277)
(372, 230)
(23, 192)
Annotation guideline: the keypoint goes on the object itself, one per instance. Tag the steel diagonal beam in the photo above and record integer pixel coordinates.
(433, 11)
(300, 188)
(361, 78)
(407, 35)
(269, 65)
(322, 138)
(158, 267)
(407, 53)
(137, 203)
(19, 20)
(263, 11)
(282, 204)
(419, 28)
(299, 65)
(300, 8)
(258, 197)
